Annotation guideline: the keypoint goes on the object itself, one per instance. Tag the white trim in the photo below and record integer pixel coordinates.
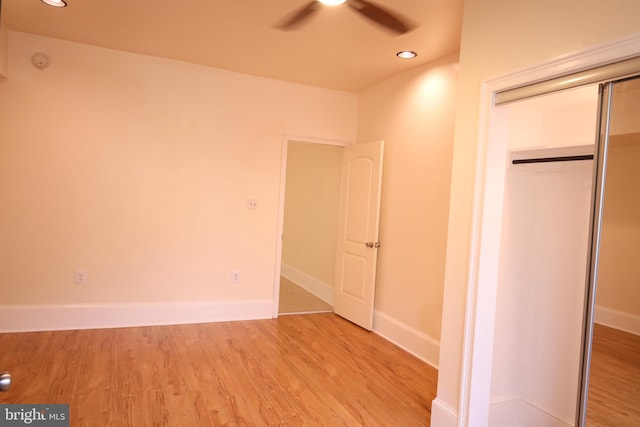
(317, 287)
(618, 319)
(513, 410)
(286, 138)
(478, 327)
(443, 415)
(475, 377)
(27, 318)
(595, 56)
(413, 341)
(280, 229)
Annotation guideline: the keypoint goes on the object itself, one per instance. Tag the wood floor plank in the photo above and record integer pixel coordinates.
(614, 380)
(296, 300)
(296, 370)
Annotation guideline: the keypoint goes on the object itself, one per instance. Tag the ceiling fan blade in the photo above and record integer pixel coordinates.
(381, 16)
(298, 17)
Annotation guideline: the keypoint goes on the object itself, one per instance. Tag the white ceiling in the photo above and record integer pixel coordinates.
(336, 49)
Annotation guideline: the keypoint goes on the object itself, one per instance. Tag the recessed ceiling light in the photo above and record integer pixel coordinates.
(406, 54)
(332, 2)
(55, 3)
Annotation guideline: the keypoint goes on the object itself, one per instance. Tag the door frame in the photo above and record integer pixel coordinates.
(480, 304)
(286, 139)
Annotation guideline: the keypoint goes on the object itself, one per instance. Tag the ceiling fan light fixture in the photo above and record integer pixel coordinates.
(55, 3)
(332, 2)
(406, 54)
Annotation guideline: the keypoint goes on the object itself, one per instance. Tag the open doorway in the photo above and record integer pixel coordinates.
(309, 211)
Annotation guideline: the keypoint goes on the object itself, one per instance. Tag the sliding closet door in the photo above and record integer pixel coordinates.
(612, 367)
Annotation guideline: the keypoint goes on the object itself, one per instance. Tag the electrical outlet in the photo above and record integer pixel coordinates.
(252, 204)
(80, 277)
(235, 276)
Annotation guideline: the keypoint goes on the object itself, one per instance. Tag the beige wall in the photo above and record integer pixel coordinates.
(312, 199)
(498, 38)
(413, 113)
(138, 170)
(618, 273)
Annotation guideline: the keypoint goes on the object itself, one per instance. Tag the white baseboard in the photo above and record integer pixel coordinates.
(618, 319)
(29, 318)
(415, 342)
(317, 287)
(513, 410)
(443, 415)
(505, 411)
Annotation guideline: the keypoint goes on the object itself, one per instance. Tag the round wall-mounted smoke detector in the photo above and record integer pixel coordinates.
(40, 60)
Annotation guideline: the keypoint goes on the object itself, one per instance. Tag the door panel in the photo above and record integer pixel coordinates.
(358, 203)
(611, 370)
(357, 246)
(353, 276)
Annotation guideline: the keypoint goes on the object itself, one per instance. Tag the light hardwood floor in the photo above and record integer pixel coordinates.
(306, 370)
(614, 381)
(294, 300)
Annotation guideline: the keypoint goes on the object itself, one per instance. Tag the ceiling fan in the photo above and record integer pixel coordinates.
(377, 14)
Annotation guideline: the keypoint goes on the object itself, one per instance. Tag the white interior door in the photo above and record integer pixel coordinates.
(357, 246)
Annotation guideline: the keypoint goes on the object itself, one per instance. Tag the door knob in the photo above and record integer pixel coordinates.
(372, 244)
(5, 381)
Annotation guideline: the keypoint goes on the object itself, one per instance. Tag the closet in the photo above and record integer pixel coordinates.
(569, 245)
(543, 259)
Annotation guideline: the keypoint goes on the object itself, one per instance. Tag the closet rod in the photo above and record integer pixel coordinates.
(553, 159)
